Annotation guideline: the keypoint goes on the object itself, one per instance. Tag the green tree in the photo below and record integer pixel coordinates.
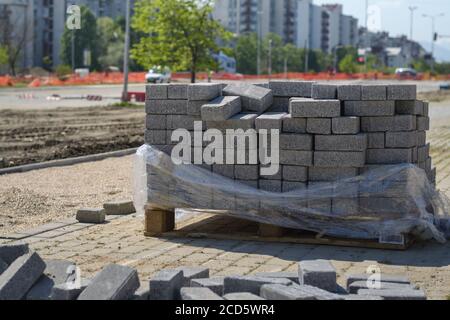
(245, 53)
(110, 43)
(348, 64)
(85, 39)
(3, 56)
(180, 34)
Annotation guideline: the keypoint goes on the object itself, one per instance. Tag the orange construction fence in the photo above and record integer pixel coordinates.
(139, 77)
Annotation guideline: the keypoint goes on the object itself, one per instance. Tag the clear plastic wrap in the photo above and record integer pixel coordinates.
(386, 201)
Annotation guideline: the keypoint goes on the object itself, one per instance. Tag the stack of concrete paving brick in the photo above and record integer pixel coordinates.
(328, 133)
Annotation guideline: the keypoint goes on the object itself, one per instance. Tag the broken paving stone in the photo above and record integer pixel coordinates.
(56, 272)
(20, 276)
(250, 284)
(278, 292)
(112, 283)
(197, 294)
(190, 273)
(166, 285)
(215, 284)
(94, 216)
(242, 296)
(318, 273)
(68, 291)
(9, 253)
(119, 208)
(254, 98)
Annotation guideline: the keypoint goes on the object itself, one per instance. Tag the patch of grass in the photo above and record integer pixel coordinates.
(127, 105)
(448, 297)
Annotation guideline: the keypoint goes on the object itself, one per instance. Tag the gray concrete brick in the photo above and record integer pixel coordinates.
(249, 183)
(324, 91)
(242, 296)
(156, 91)
(56, 272)
(142, 293)
(215, 284)
(270, 120)
(244, 121)
(177, 91)
(318, 293)
(198, 294)
(338, 159)
(156, 122)
(278, 292)
(373, 92)
(254, 99)
(389, 156)
(246, 172)
(346, 125)
(402, 92)
(423, 123)
(204, 91)
(361, 285)
(225, 170)
(318, 125)
(271, 186)
(20, 276)
(295, 173)
(413, 107)
(426, 109)
(119, 208)
(356, 142)
(283, 88)
(376, 140)
(156, 137)
(345, 206)
(331, 174)
(250, 284)
(293, 276)
(309, 108)
(421, 138)
(396, 123)
(114, 282)
(94, 216)
(279, 104)
(166, 285)
(369, 108)
(296, 142)
(423, 153)
(194, 108)
(294, 125)
(68, 292)
(290, 186)
(221, 109)
(9, 253)
(350, 92)
(190, 273)
(166, 107)
(351, 278)
(395, 294)
(262, 85)
(3, 266)
(277, 176)
(177, 121)
(318, 273)
(296, 158)
(401, 139)
(356, 297)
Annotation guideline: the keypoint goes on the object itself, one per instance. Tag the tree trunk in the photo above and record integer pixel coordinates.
(193, 75)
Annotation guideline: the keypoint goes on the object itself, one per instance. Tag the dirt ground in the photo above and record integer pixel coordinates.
(30, 136)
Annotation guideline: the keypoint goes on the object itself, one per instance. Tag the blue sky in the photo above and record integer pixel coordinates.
(395, 17)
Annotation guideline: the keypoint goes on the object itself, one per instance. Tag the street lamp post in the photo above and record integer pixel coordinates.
(367, 35)
(433, 32)
(126, 53)
(412, 9)
(259, 35)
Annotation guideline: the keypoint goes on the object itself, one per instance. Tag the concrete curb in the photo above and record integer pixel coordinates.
(68, 162)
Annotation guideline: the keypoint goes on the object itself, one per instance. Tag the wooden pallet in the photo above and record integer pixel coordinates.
(161, 223)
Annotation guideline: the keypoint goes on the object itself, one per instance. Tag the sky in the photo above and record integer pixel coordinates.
(394, 16)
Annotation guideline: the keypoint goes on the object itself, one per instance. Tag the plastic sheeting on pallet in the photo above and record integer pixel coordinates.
(385, 202)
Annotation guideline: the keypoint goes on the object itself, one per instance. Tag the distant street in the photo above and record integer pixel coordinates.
(36, 98)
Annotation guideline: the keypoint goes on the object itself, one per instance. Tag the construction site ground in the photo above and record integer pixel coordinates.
(38, 207)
